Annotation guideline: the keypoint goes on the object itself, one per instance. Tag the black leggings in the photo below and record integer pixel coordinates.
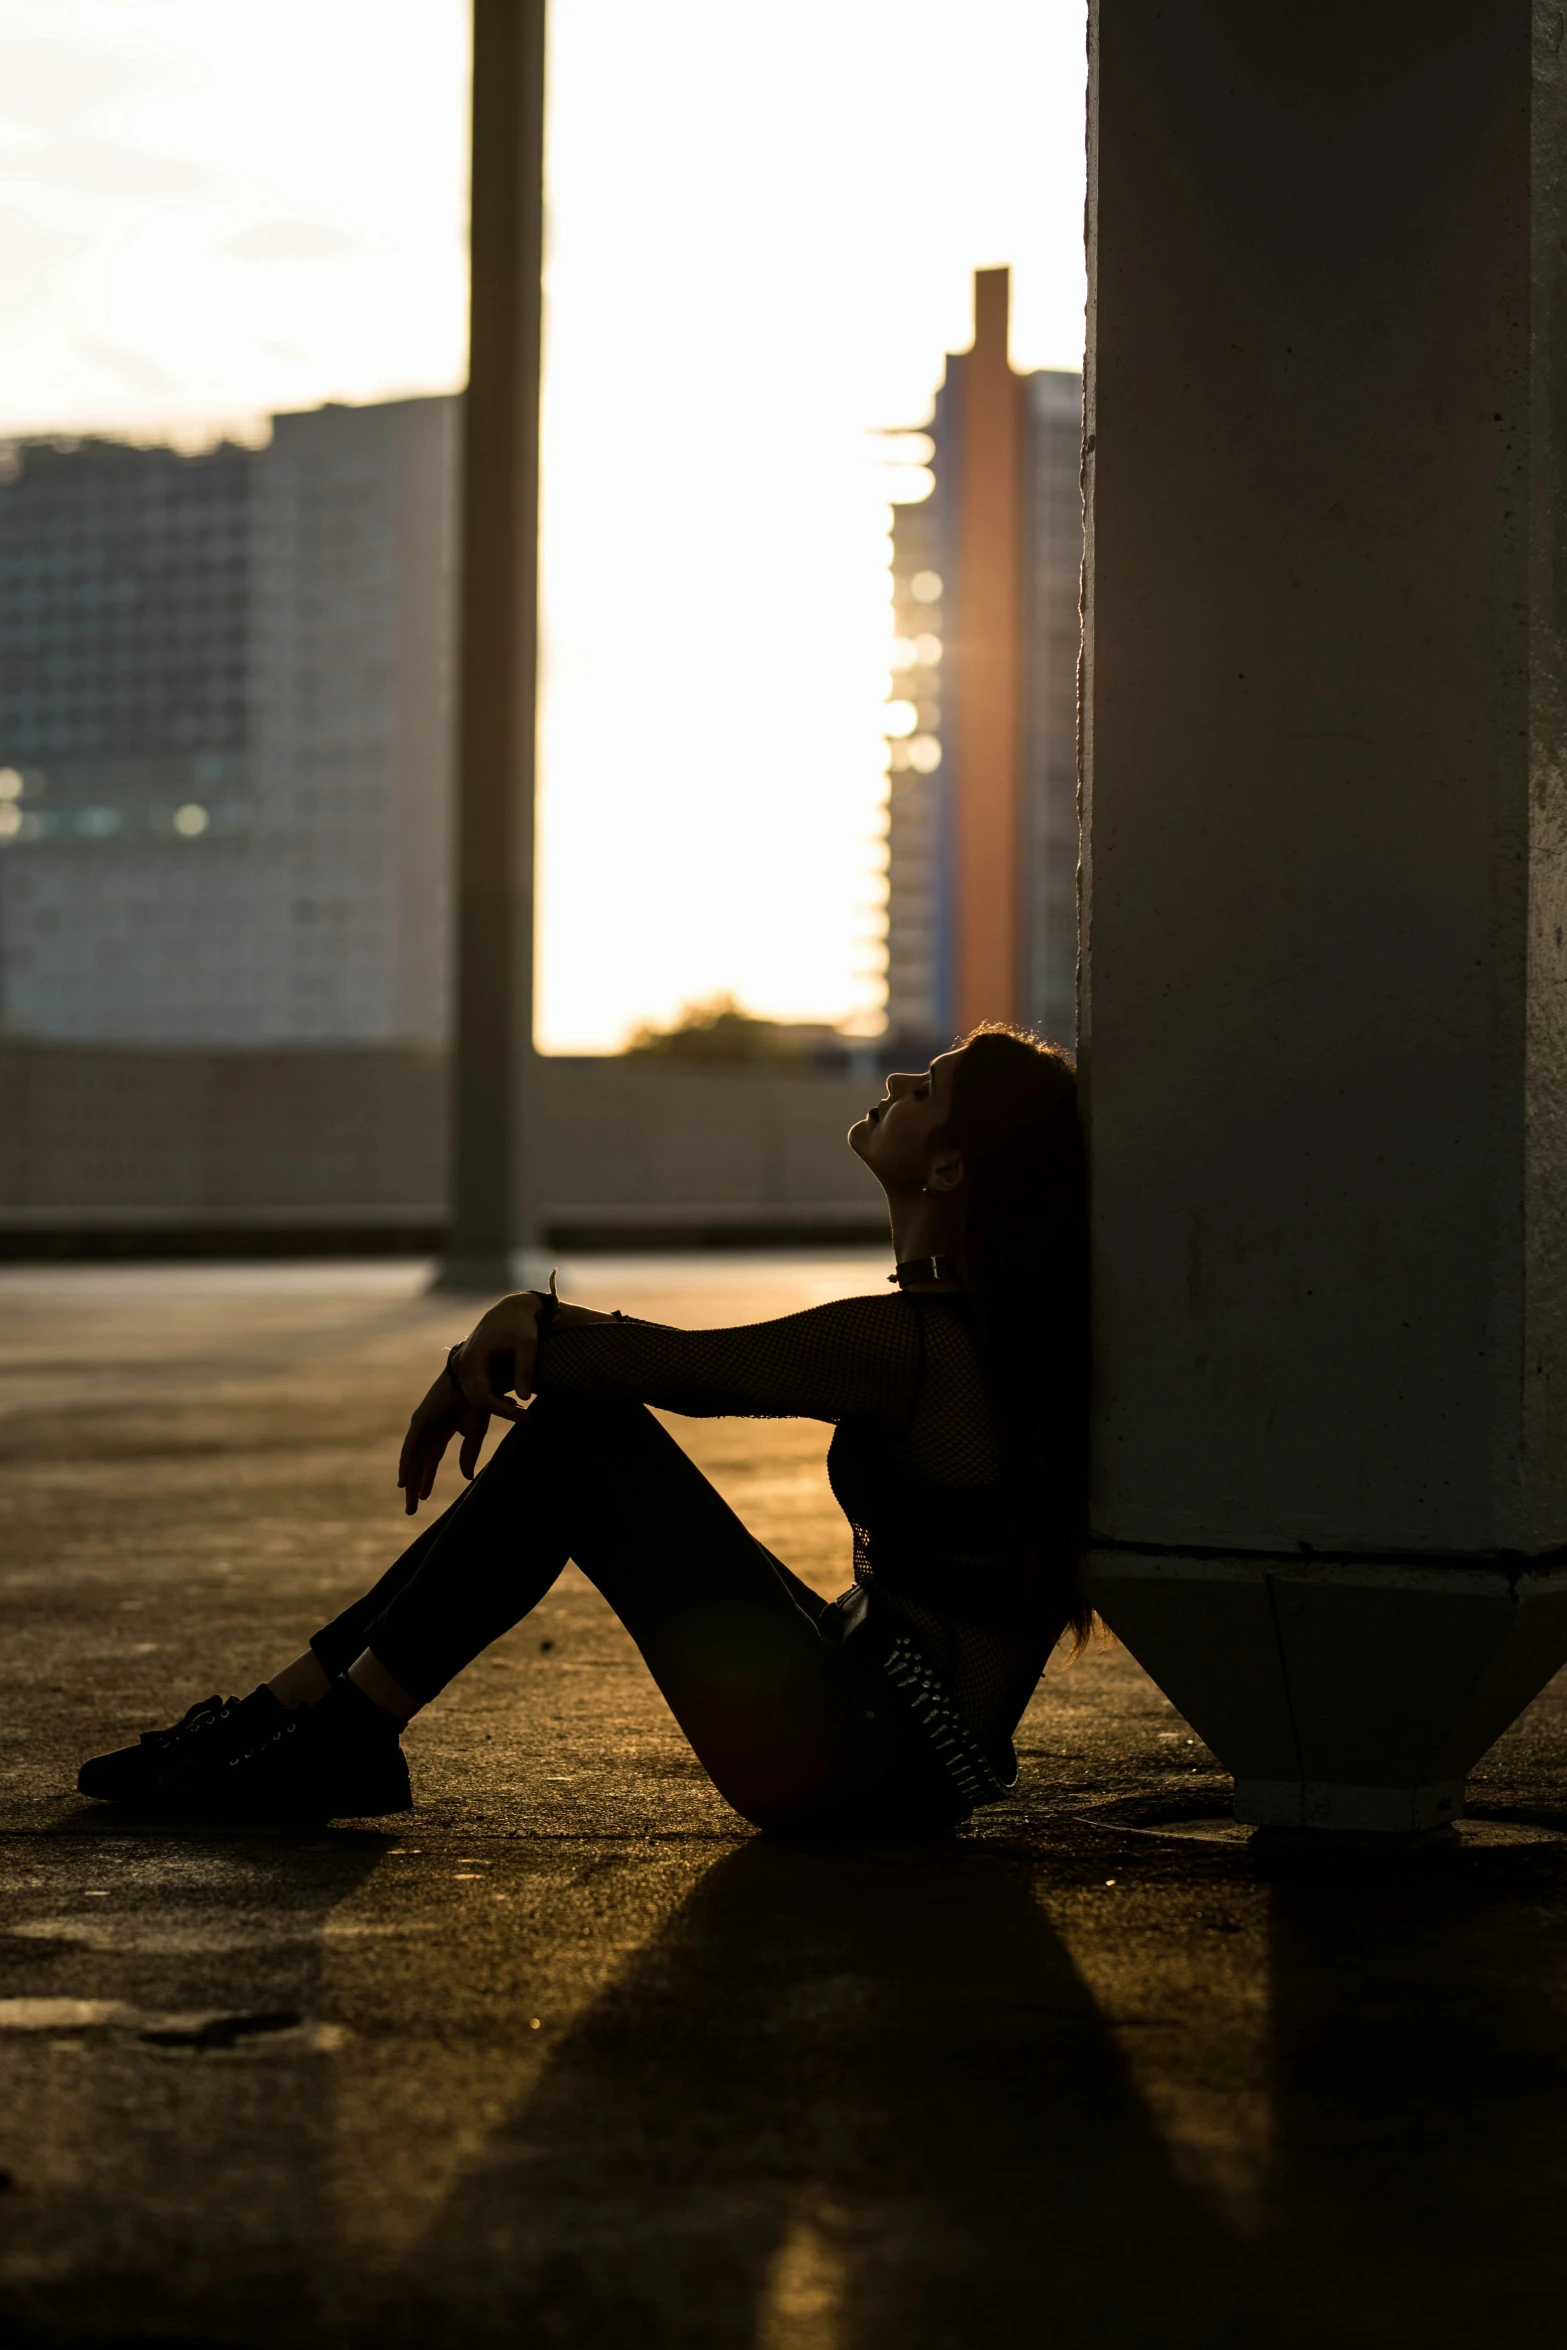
(789, 1726)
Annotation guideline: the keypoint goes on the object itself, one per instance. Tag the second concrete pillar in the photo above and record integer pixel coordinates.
(1324, 1010)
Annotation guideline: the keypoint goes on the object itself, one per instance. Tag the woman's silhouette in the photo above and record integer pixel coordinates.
(958, 1402)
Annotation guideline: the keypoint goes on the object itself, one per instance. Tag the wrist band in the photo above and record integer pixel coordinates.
(452, 1353)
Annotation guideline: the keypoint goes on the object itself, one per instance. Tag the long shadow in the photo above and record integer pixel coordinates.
(846, 2098)
(842, 2100)
(1420, 2036)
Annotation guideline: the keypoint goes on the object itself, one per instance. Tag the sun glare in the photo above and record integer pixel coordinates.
(762, 229)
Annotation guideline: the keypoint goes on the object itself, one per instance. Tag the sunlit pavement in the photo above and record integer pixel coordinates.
(570, 2057)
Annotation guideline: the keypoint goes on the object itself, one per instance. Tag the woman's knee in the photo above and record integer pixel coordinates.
(562, 1413)
(562, 1425)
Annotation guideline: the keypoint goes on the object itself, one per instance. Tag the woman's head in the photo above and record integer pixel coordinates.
(989, 1134)
(988, 1140)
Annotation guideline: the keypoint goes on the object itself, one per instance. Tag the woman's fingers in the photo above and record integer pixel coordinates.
(429, 1432)
(429, 1463)
(408, 1460)
(421, 1476)
(485, 1369)
(486, 1376)
(425, 1449)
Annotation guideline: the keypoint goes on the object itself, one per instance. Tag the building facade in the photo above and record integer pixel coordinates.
(982, 819)
(225, 735)
(919, 817)
(1053, 629)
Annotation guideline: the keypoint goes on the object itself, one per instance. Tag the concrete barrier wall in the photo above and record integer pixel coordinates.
(623, 1139)
(107, 1140)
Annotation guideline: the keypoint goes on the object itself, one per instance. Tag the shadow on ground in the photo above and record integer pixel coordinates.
(567, 2059)
(853, 2097)
(872, 2100)
(858, 2099)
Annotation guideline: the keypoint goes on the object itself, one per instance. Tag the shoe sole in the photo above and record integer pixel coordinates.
(340, 1804)
(192, 1803)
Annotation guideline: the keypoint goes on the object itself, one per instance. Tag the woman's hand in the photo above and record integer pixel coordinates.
(441, 1415)
(495, 1366)
(491, 1377)
(497, 1356)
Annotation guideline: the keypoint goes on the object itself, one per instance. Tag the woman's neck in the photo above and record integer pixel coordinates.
(922, 1227)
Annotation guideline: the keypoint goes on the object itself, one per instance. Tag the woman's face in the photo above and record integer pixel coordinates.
(898, 1136)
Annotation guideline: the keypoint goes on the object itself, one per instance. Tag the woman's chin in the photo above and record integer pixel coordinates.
(863, 1138)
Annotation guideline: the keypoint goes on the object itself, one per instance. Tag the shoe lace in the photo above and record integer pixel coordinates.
(204, 1715)
(248, 1754)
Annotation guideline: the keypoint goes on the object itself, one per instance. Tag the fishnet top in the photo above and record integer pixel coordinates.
(916, 1465)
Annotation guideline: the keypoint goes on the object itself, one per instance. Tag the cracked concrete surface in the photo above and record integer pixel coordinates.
(568, 2056)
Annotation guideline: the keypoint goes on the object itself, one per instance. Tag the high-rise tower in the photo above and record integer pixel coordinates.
(982, 829)
(225, 722)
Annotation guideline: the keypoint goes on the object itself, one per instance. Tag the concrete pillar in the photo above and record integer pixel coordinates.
(987, 694)
(1324, 1012)
(494, 1236)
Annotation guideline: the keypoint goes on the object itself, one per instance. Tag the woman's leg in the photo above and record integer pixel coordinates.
(728, 1634)
(493, 1592)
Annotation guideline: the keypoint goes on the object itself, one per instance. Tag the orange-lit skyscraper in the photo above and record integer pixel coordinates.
(982, 828)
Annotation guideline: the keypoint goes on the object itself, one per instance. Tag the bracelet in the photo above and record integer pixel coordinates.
(452, 1353)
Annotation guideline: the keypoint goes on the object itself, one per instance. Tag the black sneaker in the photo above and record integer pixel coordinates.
(153, 1769)
(339, 1760)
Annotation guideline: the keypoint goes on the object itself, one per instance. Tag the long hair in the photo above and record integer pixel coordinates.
(1023, 1254)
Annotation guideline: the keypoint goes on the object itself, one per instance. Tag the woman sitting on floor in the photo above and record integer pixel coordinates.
(959, 1404)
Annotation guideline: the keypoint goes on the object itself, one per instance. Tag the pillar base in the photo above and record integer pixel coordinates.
(1322, 1803)
(1341, 1695)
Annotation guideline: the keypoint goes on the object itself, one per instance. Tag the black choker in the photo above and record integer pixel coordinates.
(927, 1269)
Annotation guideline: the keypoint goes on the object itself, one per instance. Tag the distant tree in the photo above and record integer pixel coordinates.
(718, 1034)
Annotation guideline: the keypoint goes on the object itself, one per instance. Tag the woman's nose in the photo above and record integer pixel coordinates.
(898, 1083)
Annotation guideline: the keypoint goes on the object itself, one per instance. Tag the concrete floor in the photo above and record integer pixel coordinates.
(570, 2058)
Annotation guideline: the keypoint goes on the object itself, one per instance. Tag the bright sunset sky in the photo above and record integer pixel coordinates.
(763, 221)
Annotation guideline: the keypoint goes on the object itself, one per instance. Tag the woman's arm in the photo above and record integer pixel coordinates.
(857, 1358)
